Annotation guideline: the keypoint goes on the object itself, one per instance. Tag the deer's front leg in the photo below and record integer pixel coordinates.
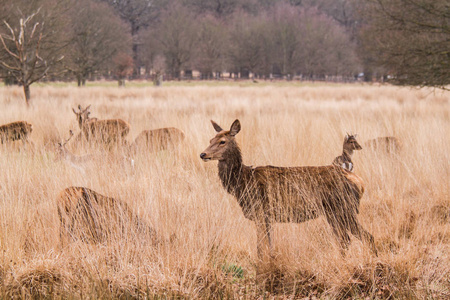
(264, 234)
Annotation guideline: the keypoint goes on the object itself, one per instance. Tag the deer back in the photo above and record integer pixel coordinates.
(386, 144)
(106, 130)
(19, 130)
(91, 217)
(298, 194)
(158, 139)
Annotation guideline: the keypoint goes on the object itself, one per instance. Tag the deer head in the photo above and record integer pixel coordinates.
(350, 143)
(61, 150)
(82, 115)
(223, 141)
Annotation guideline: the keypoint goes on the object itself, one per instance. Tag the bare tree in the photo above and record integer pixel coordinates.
(96, 36)
(139, 14)
(410, 38)
(123, 67)
(326, 48)
(30, 41)
(220, 8)
(287, 40)
(23, 48)
(251, 44)
(213, 40)
(178, 37)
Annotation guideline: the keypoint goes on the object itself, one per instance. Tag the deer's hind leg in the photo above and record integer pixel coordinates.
(363, 235)
(340, 231)
(337, 218)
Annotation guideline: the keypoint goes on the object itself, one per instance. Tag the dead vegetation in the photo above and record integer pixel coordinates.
(405, 205)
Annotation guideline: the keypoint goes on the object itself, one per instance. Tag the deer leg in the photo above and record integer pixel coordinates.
(264, 248)
(263, 240)
(269, 230)
(363, 235)
(339, 231)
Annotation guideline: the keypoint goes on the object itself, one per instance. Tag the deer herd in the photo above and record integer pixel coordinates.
(266, 194)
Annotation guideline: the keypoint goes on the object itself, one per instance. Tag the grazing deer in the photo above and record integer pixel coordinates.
(269, 194)
(345, 160)
(385, 144)
(158, 139)
(19, 130)
(80, 161)
(93, 218)
(105, 131)
(63, 154)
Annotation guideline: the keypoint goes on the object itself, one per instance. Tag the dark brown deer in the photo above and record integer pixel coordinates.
(385, 144)
(271, 194)
(158, 139)
(104, 131)
(345, 160)
(15, 131)
(93, 218)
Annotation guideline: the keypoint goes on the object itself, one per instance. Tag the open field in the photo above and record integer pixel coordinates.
(209, 248)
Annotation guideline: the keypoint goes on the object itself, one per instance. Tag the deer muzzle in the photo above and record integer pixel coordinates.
(204, 156)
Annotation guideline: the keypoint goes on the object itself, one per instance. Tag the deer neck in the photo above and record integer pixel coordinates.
(347, 154)
(69, 156)
(231, 169)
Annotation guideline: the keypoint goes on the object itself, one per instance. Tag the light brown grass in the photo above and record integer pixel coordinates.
(405, 205)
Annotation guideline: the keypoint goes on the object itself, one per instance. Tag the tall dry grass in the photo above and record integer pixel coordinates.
(210, 248)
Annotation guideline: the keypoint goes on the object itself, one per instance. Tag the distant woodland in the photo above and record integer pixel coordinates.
(404, 41)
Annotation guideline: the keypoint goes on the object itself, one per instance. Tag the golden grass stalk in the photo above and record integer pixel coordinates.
(211, 248)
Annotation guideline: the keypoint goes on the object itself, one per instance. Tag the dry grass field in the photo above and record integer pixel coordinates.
(207, 248)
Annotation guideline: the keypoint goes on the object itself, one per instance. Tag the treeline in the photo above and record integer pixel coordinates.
(82, 39)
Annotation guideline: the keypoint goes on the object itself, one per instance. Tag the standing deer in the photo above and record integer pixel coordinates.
(19, 130)
(269, 194)
(158, 139)
(385, 144)
(93, 218)
(105, 131)
(345, 160)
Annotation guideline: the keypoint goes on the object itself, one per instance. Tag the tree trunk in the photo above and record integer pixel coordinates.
(158, 79)
(27, 92)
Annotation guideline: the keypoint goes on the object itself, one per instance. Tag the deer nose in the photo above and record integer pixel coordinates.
(202, 155)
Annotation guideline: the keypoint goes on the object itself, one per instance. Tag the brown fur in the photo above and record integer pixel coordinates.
(19, 130)
(281, 194)
(104, 131)
(91, 217)
(386, 144)
(158, 139)
(345, 159)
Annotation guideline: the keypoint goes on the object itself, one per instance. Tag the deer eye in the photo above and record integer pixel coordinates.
(222, 142)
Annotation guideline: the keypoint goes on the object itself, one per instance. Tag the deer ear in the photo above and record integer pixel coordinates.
(87, 108)
(73, 109)
(216, 126)
(235, 128)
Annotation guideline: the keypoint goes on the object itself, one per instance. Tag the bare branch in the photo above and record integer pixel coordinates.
(10, 29)
(7, 50)
(8, 67)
